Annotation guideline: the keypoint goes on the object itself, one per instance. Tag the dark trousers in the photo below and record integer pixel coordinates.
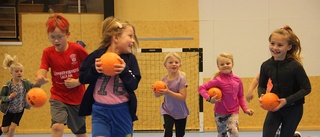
(289, 117)
(180, 126)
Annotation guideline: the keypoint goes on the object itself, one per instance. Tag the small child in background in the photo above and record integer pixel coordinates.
(13, 95)
(174, 109)
(226, 110)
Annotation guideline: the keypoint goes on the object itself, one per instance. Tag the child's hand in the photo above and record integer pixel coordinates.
(249, 112)
(13, 95)
(283, 102)
(260, 100)
(71, 82)
(119, 67)
(162, 91)
(214, 100)
(98, 64)
(157, 93)
(249, 96)
(41, 80)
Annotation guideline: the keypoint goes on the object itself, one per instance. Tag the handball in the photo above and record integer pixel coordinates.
(108, 60)
(159, 85)
(269, 101)
(36, 97)
(215, 91)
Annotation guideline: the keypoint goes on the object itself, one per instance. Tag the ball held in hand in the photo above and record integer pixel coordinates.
(159, 85)
(215, 91)
(108, 60)
(269, 101)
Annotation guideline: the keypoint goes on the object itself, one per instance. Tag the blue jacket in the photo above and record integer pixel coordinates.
(130, 77)
(5, 92)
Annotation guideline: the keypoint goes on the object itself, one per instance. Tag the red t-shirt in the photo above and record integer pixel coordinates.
(64, 65)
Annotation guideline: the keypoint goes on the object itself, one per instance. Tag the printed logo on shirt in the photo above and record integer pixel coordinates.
(65, 74)
(73, 58)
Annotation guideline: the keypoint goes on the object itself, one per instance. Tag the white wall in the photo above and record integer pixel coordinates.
(242, 27)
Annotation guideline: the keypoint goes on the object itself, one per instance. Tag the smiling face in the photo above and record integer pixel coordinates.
(224, 64)
(279, 46)
(126, 40)
(172, 64)
(58, 39)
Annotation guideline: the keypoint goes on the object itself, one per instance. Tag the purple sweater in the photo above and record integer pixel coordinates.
(232, 93)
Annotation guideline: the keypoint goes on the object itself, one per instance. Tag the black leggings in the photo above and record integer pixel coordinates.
(288, 116)
(180, 125)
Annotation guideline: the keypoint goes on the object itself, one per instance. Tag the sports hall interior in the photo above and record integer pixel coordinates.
(238, 27)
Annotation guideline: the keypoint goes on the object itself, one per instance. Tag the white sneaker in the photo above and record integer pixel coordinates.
(297, 134)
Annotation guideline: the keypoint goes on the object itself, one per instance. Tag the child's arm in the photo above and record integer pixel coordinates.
(71, 82)
(41, 77)
(252, 86)
(249, 112)
(202, 89)
(4, 94)
(88, 71)
(181, 95)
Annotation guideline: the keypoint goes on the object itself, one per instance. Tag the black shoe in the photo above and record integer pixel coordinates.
(0, 130)
(297, 134)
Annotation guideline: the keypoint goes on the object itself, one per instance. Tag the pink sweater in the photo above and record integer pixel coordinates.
(232, 93)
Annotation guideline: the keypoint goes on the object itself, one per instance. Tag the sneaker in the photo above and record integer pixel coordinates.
(297, 134)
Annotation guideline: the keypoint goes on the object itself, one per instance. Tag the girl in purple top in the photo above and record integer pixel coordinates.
(226, 110)
(174, 109)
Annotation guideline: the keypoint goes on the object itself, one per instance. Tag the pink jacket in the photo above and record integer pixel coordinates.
(232, 93)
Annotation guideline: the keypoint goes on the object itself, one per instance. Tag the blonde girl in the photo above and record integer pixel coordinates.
(13, 95)
(111, 99)
(226, 110)
(174, 108)
(290, 82)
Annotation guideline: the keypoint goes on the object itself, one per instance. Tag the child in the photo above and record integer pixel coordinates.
(111, 99)
(290, 82)
(226, 110)
(249, 97)
(174, 109)
(13, 95)
(64, 59)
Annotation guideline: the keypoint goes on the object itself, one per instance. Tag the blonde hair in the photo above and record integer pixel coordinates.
(112, 26)
(10, 62)
(174, 54)
(223, 55)
(292, 40)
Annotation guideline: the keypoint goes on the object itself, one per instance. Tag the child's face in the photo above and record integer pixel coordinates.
(172, 64)
(126, 40)
(225, 65)
(279, 46)
(17, 73)
(58, 39)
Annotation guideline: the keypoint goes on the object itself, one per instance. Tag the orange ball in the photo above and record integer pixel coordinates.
(269, 101)
(108, 60)
(36, 97)
(215, 91)
(159, 85)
